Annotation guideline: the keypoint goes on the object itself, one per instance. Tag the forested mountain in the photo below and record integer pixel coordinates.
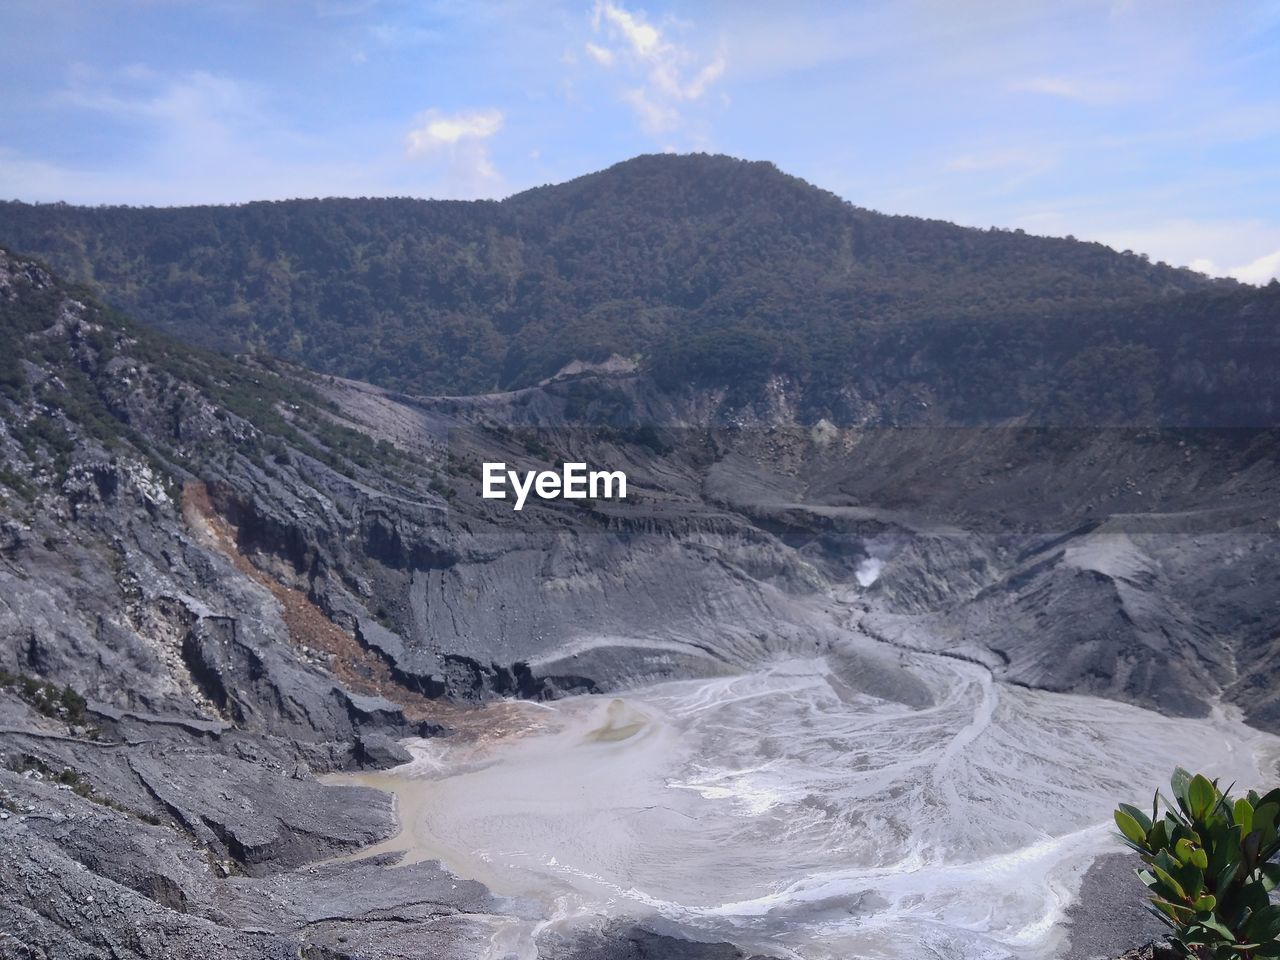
(706, 269)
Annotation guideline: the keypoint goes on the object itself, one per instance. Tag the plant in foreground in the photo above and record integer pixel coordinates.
(1209, 867)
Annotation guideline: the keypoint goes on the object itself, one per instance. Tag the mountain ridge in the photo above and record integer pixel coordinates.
(709, 271)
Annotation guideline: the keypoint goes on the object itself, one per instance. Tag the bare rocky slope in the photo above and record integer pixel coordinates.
(220, 578)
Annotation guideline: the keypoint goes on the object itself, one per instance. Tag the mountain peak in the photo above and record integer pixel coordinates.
(702, 180)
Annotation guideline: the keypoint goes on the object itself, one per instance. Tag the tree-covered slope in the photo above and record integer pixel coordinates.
(707, 269)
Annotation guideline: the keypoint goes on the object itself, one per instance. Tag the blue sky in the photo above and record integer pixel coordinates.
(1149, 126)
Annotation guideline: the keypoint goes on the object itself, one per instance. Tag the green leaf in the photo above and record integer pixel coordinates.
(1211, 923)
(1250, 847)
(1251, 895)
(1243, 815)
(1264, 821)
(1223, 847)
(1271, 796)
(1140, 850)
(1174, 911)
(1138, 816)
(1263, 924)
(1188, 879)
(1180, 783)
(1270, 876)
(1159, 836)
(1227, 875)
(1202, 795)
(1169, 883)
(1188, 853)
(1131, 828)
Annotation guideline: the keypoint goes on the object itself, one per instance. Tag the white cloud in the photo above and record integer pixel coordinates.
(601, 55)
(704, 78)
(1259, 271)
(1262, 270)
(459, 142)
(644, 39)
(439, 130)
(1248, 250)
(669, 75)
(655, 115)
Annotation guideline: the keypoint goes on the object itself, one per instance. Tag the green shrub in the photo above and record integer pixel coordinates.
(1209, 867)
(66, 703)
(74, 704)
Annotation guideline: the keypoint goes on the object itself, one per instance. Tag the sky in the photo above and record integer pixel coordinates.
(1151, 126)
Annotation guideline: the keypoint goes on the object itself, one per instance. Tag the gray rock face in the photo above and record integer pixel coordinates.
(254, 577)
(378, 750)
